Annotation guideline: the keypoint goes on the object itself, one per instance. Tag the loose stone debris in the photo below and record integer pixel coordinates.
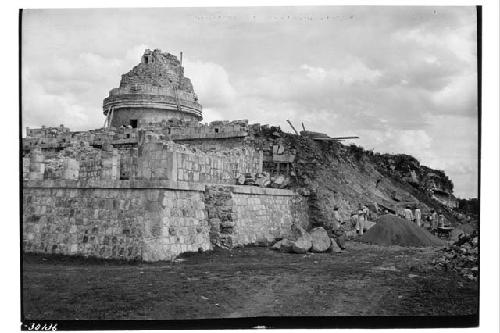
(301, 242)
(462, 257)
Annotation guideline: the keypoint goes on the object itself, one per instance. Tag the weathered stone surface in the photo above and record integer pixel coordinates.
(251, 215)
(227, 224)
(296, 232)
(279, 180)
(320, 240)
(240, 180)
(302, 244)
(263, 181)
(145, 224)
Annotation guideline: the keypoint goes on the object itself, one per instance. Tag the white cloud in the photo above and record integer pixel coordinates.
(314, 73)
(355, 71)
(459, 96)
(211, 83)
(401, 78)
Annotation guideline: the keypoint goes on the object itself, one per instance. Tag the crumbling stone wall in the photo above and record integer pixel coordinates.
(242, 215)
(128, 163)
(164, 160)
(73, 163)
(36, 164)
(123, 116)
(62, 168)
(221, 167)
(113, 219)
(26, 167)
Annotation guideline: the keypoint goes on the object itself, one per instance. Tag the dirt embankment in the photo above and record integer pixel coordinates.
(347, 176)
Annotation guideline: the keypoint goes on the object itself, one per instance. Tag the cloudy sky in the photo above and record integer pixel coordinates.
(401, 78)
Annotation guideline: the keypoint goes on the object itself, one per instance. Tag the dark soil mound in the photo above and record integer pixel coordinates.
(392, 230)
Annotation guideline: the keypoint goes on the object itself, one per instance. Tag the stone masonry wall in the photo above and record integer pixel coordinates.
(159, 160)
(242, 215)
(124, 115)
(112, 219)
(152, 220)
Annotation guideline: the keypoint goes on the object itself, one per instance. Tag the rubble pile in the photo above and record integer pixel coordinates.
(392, 230)
(462, 257)
(263, 179)
(300, 241)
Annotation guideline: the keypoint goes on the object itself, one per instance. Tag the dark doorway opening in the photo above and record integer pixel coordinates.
(133, 123)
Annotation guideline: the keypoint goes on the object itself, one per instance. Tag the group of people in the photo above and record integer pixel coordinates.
(435, 219)
(337, 228)
(359, 217)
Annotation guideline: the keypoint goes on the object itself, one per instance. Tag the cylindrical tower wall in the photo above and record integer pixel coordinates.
(132, 116)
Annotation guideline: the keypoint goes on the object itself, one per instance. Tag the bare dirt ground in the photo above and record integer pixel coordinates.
(365, 280)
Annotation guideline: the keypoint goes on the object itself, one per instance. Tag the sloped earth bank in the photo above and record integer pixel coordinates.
(366, 280)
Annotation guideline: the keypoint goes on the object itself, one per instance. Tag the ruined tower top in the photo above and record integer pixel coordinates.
(154, 90)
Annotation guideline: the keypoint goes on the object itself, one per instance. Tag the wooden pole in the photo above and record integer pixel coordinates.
(292, 127)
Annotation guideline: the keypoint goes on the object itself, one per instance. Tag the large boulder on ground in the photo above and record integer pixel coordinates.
(240, 179)
(334, 247)
(278, 180)
(262, 179)
(296, 231)
(302, 244)
(283, 245)
(320, 240)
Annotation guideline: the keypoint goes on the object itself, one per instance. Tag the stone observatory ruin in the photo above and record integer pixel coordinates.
(154, 182)
(154, 90)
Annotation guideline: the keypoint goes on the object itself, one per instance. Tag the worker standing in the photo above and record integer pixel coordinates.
(442, 220)
(361, 220)
(418, 216)
(434, 220)
(408, 214)
(366, 212)
(336, 214)
(355, 221)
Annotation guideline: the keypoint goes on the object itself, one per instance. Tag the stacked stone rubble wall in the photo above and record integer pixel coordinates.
(242, 215)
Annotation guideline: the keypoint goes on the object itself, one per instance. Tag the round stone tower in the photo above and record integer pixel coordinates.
(154, 90)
